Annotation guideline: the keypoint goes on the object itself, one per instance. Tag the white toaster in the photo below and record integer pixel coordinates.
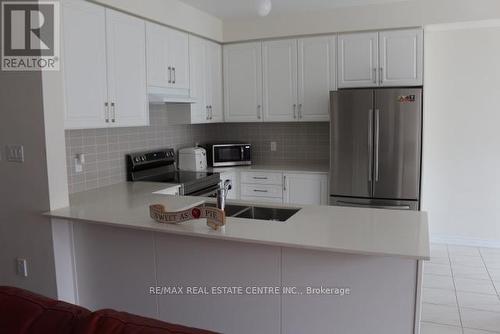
(193, 159)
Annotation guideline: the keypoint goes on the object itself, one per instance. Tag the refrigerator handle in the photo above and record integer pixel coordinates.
(370, 145)
(377, 140)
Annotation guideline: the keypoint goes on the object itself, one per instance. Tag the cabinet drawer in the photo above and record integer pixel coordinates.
(261, 190)
(262, 178)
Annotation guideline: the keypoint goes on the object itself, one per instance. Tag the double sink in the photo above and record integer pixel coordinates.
(257, 212)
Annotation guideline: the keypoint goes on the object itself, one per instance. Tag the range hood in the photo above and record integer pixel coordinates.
(160, 95)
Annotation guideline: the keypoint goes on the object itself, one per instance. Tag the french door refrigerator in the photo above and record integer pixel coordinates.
(375, 142)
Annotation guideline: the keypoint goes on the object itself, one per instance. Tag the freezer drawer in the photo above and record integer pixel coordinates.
(374, 203)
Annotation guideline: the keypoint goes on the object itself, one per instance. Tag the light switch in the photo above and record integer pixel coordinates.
(14, 153)
(273, 146)
(22, 267)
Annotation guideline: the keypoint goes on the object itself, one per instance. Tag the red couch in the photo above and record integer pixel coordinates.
(23, 312)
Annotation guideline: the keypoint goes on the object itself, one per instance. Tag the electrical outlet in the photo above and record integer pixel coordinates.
(22, 267)
(14, 153)
(273, 146)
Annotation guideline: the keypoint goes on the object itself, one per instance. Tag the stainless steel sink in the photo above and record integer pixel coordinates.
(274, 214)
(256, 212)
(230, 209)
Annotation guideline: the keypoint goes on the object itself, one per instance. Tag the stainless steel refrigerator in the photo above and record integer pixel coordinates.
(375, 143)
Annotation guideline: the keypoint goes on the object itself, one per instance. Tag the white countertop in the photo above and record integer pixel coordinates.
(327, 228)
(292, 167)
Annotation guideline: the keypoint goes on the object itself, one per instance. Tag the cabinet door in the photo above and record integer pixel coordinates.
(179, 58)
(126, 69)
(157, 51)
(279, 64)
(197, 73)
(358, 60)
(316, 78)
(243, 82)
(84, 65)
(213, 53)
(401, 57)
(305, 189)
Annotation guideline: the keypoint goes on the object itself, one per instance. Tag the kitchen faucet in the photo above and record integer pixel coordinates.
(222, 193)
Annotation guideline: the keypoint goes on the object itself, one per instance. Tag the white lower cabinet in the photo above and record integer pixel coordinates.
(233, 176)
(299, 188)
(283, 187)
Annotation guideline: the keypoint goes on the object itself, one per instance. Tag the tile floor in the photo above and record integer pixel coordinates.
(461, 291)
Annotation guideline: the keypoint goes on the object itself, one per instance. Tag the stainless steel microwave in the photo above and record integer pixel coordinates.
(223, 155)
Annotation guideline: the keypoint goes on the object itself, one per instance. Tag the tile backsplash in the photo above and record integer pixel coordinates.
(105, 149)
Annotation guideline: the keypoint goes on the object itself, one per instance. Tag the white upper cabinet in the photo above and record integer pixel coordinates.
(388, 58)
(84, 65)
(101, 88)
(206, 81)
(316, 77)
(243, 82)
(197, 72)
(401, 57)
(126, 84)
(179, 58)
(213, 89)
(279, 61)
(358, 64)
(307, 189)
(167, 57)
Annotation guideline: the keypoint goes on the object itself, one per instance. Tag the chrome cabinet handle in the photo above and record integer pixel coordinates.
(173, 69)
(300, 110)
(169, 74)
(370, 144)
(208, 115)
(374, 75)
(381, 75)
(377, 140)
(284, 182)
(106, 112)
(294, 111)
(113, 112)
(259, 107)
(260, 191)
(259, 178)
(211, 112)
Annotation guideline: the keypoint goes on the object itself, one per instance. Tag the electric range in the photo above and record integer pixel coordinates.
(160, 166)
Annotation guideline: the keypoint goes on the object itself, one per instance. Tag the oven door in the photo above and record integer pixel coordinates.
(207, 192)
(231, 155)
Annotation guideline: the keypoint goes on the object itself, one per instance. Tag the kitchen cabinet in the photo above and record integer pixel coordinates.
(205, 63)
(373, 59)
(279, 62)
(358, 60)
(168, 58)
(243, 82)
(316, 77)
(401, 57)
(128, 104)
(101, 88)
(234, 192)
(302, 188)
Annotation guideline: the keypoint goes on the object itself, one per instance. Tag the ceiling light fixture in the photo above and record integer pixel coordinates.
(264, 7)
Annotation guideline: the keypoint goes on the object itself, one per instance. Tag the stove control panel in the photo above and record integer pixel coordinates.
(142, 161)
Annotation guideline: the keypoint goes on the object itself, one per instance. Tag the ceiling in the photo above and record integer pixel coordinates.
(231, 9)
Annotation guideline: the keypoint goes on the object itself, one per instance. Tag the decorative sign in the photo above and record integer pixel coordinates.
(216, 218)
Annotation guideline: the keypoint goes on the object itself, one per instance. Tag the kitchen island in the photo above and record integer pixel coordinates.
(326, 269)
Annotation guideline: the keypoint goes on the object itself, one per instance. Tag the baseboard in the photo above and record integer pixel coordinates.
(463, 241)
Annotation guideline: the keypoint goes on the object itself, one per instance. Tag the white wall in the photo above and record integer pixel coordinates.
(391, 15)
(461, 151)
(173, 13)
